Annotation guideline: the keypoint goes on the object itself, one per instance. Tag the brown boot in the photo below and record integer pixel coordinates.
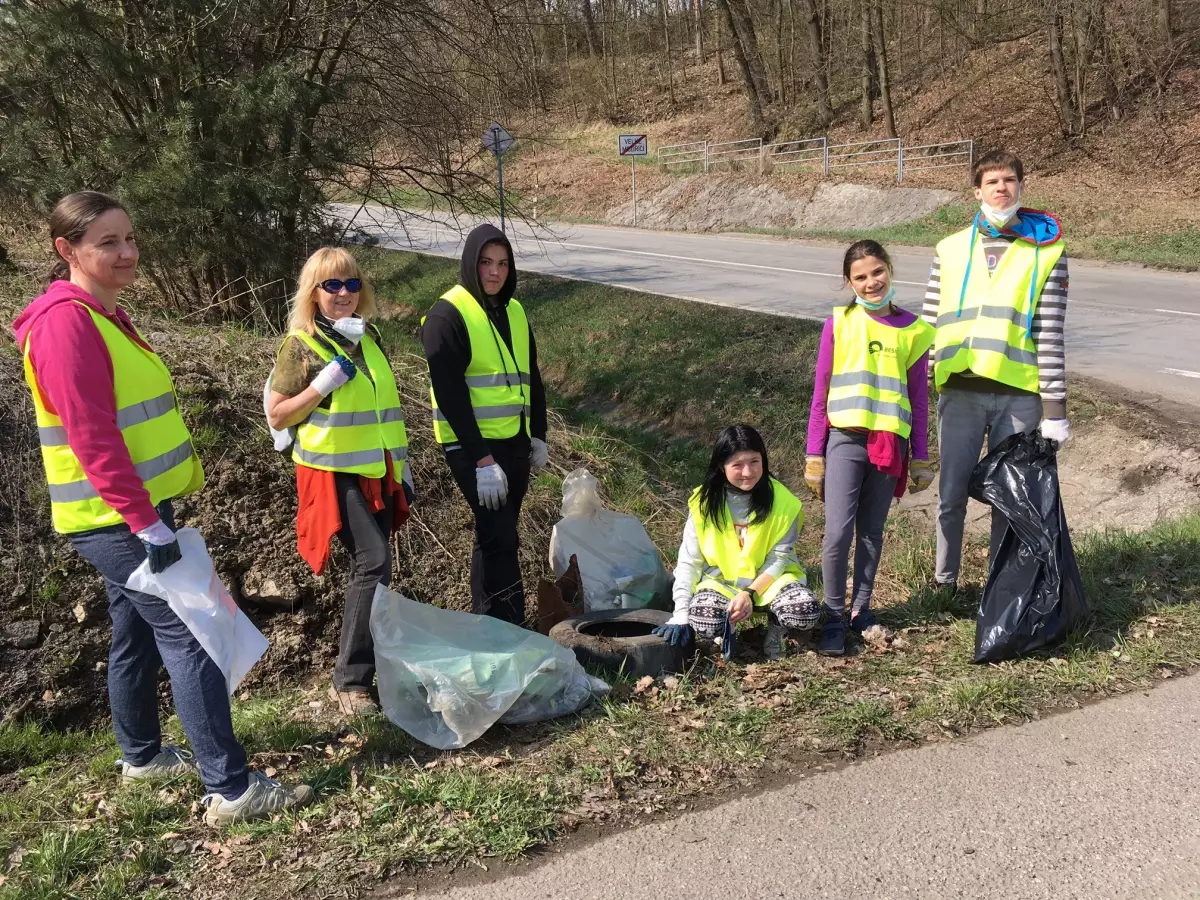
(353, 703)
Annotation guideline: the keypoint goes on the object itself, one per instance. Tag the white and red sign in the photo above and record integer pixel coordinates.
(633, 145)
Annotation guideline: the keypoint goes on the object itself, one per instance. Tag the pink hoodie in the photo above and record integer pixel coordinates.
(75, 374)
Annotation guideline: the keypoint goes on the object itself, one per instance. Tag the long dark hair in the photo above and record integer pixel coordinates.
(861, 250)
(735, 439)
(73, 215)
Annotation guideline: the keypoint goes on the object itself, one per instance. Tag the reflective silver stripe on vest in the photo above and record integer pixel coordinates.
(878, 407)
(74, 491)
(340, 460)
(52, 436)
(135, 414)
(399, 454)
(138, 413)
(878, 382)
(500, 380)
(321, 419)
(1003, 313)
(1015, 354)
(395, 414)
(489, 412)
(714, 573)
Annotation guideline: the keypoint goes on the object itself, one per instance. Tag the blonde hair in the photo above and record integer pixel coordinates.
(326, 263)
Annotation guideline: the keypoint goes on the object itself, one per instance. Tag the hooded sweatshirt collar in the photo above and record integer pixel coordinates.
(468, 274)
(58, 292)
(1033, 226)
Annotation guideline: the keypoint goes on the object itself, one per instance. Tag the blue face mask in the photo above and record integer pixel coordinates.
(875, 306)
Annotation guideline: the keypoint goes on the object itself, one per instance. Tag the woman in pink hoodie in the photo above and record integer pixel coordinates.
(116, 452)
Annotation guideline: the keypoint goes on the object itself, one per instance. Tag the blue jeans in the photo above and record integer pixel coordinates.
(145, 635)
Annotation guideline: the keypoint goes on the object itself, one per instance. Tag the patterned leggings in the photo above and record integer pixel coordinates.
(795, 606)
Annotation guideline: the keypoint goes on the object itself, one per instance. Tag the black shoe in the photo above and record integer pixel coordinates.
(833, 638)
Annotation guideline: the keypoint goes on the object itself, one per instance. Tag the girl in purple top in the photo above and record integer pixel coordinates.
(858, 472)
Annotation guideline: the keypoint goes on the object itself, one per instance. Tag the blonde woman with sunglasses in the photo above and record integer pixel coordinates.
(334, 386)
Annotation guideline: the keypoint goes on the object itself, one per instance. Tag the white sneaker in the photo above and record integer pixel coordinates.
(171, 762)
(263, 798)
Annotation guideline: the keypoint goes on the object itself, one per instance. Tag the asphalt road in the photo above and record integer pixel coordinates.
(1093, 804)
(1135, 327)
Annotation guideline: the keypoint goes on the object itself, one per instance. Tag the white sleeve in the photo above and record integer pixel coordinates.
(688, 567)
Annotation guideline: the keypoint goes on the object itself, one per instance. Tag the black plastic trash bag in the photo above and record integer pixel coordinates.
(1034, 594)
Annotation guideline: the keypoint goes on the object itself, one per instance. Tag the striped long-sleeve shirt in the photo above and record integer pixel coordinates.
(1048, 321)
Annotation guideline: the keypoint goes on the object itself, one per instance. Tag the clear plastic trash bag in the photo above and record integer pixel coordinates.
(446, 677)
(619, 565)
(195, 594)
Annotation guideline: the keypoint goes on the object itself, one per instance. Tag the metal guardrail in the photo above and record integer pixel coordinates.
(684, 154)
(883, 152)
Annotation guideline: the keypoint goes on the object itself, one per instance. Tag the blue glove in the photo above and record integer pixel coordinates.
(347, 365)
(162, 557)
(409, 496)
(675, 635)
(727, 639)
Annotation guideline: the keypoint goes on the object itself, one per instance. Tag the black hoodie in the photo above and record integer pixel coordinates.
(448, 347)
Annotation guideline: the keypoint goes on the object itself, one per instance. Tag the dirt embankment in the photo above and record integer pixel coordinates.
(728, 202)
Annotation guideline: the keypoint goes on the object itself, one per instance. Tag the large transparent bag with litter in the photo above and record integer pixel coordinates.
(619, 566)
(446, 677)
(195, 594)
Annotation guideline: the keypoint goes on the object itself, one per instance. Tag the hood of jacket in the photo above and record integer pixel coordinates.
(1033, 226)
(468, 274)
(58, 292)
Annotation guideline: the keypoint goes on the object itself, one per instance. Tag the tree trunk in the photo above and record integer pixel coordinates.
(720, 53)
(782, 95)
(589, 27)
(1162, 21)
(816, 47)
(1066, 109)
(744, 34)
(885, 94)
(866, 114)
(739, 53)
(978, 26)
(666, 22)
(697, 12)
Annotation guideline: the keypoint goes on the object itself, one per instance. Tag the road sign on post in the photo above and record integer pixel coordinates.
(633, 146)
(497, 141)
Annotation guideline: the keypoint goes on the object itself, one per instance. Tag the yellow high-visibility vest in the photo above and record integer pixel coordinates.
(364, 419)
(159, 444)
(732, 565)
(869, 385)
(985, 322)
(498, 381)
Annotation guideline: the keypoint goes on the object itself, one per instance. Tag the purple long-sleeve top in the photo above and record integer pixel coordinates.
(918, 390)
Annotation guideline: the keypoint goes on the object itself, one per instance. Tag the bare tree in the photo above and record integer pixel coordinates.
(885, 93)
(816, 49)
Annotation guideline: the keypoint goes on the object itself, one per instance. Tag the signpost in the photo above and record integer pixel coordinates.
(497, 141)
(633, 146)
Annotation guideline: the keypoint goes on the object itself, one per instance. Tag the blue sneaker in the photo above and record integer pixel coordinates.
(862, 621)
(833, 638)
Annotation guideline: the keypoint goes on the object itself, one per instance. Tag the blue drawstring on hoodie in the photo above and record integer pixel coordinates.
(1034, 227)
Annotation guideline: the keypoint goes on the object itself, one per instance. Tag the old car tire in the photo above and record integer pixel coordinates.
(619, 640)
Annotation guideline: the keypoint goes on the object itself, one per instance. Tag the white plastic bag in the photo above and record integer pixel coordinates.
(618, 563)
(195, 594)
(446, 677)
(285, 438)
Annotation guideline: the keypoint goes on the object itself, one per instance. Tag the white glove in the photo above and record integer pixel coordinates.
(492, 486)
(333, 376)
(157, 534)
(539, 454)
(1057, 430)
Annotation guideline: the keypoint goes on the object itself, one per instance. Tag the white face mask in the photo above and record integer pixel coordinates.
(351, 328)
(1001, 217)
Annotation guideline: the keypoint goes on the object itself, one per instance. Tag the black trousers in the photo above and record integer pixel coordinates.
(496, 588)
(367, 539)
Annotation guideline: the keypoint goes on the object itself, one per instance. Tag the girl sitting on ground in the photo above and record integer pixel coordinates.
(739, 550)
(867, 423)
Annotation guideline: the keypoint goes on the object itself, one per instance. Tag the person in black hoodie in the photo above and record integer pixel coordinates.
(489, 411)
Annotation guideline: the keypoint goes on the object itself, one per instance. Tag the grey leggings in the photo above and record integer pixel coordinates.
(857, 499)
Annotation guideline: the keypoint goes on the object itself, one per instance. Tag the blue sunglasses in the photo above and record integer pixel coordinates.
(333, 285)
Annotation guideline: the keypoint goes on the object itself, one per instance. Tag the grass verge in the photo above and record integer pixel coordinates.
(648, 380)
